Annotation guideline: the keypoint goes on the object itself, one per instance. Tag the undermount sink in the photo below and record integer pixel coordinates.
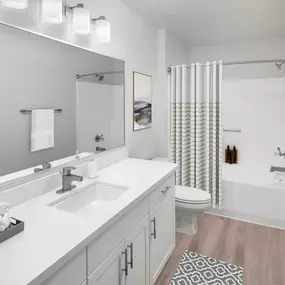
(95, 194)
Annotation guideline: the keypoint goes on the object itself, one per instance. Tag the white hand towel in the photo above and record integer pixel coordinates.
(42, 129)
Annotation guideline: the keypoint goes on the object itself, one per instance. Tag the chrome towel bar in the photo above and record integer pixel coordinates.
(232, 130)
(29, 111)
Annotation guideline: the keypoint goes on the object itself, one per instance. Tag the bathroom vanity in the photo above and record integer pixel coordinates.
(116, 229)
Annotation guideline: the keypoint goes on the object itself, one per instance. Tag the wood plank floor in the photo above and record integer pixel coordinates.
(259, 250)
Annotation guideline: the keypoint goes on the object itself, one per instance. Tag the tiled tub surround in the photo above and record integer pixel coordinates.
(55, 244)
(250, 191)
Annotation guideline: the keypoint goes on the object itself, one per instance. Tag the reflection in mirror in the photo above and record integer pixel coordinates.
(39, 75)
(100, 97)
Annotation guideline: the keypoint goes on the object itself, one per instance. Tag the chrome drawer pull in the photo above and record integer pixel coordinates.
(167, 188)
(131, 247)
(154, 228)
(126, 269)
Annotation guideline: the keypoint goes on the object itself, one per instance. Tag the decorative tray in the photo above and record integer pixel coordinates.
(15, 227)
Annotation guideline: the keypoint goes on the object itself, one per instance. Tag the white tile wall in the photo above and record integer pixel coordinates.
(257, 107)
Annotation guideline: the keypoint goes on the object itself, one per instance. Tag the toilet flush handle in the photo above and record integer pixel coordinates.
(167, 188)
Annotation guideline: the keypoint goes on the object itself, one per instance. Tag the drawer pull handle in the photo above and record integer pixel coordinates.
(154, 228)
(126, 269)
(131, 263)
(167, 188)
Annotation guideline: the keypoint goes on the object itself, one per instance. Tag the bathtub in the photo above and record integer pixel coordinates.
(256, 200)
(259, 199)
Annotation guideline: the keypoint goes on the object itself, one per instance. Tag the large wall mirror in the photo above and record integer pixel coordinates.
(38, 75)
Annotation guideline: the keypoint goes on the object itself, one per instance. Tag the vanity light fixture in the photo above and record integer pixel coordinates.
(16, 4)
(81, 19)
(53, 11)
(102, 29)
(82, 23)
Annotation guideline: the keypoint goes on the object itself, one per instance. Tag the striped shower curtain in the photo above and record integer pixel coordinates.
(196, 131)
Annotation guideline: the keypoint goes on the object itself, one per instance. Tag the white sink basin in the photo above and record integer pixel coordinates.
(95, 194)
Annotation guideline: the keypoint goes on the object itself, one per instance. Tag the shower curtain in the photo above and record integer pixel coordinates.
(196, 131)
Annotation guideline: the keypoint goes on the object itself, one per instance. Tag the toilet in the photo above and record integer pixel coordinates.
(190, 203)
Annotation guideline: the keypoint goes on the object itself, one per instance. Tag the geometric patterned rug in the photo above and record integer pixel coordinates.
(196, 269)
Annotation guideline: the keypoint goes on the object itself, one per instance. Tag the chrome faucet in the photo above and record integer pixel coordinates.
(67, 179)
(279, 153)
(100, 149)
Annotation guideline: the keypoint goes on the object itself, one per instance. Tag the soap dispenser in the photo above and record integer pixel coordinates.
(234, 155)
(92, 168)
(228, 155)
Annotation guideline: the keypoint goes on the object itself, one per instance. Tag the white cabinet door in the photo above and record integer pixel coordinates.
(138, 255)
(112, 270)
(162, 234)
(103, 246)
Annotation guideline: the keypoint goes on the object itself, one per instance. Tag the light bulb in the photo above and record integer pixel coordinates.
(103, 30)
(81, 20)
(52, 11)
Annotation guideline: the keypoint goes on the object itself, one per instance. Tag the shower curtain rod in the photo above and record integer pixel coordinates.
(242, 62)
(78, 76)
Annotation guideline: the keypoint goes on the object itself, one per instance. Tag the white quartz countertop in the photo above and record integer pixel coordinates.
(52, 236)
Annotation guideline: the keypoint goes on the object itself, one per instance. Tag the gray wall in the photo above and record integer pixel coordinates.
(36, 72)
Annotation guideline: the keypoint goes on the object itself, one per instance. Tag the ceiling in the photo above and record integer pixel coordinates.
(214, 22)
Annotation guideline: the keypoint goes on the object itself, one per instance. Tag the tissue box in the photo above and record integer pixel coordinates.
(15, 227)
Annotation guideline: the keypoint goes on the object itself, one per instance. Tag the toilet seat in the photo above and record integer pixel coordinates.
(189, 195)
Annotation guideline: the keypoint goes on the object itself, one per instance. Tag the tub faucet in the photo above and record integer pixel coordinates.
(279, 153)
(278, 169)
(67, 179)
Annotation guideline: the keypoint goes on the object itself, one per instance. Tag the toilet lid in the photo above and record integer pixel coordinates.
(191, 195)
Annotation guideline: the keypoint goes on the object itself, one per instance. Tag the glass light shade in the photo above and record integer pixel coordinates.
(16, 4)
(103, 30)
(81, 21)
(52, 11)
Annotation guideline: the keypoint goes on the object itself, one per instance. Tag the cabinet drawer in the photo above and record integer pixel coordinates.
(72, 273)
(105, 244)
(161, 192)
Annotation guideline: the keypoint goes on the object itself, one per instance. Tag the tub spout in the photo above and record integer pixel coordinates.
(277, 169)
